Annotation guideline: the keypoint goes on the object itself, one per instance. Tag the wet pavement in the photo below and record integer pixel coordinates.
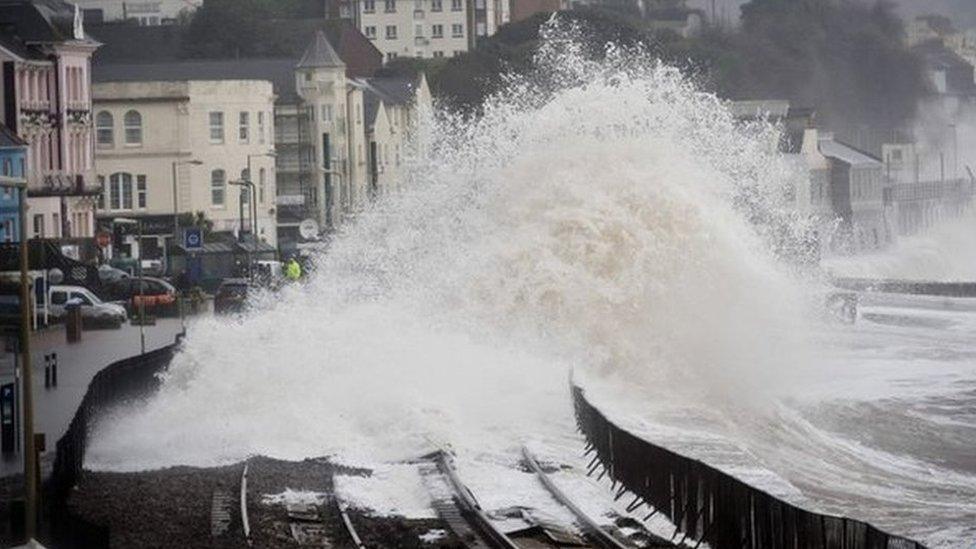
(55, 405)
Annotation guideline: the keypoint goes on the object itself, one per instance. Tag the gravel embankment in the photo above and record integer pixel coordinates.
(171, 508)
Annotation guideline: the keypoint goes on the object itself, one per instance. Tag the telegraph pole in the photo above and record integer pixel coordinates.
(27, 384)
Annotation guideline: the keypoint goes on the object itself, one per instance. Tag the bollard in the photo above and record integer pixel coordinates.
(54, 369)
(73, 322)
(47, 371)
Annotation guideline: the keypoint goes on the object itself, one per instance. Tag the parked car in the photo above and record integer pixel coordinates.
(155, 293)
(92, 308)
(231, 296)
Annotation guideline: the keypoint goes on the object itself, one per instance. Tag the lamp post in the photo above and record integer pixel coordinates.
(254, 194)
(329, 171)
(27, 383)
(142, 283)
(176, 206)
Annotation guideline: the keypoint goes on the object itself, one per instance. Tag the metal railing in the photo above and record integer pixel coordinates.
(707, 505)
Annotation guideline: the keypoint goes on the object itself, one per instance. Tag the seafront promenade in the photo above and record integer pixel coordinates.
(77, 363)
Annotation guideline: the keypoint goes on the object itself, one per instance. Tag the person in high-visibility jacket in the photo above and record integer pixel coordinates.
(293, 271)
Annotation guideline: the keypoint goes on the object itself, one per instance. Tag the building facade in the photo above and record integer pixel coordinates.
(343, 142)
(423, 28)
(46, 58)
(145, 12)
(176, 148)
(13, 169)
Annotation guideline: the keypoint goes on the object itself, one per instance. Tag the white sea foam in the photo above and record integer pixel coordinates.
(944, 253)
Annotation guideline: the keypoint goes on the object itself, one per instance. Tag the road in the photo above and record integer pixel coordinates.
(77, 364)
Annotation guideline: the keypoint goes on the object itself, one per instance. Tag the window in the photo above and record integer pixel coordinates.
(418, 30)
(59, 297)
(120, 191)
(389, 6)
(101, 195)
(55, 225)
(390, 56)
(261, 127)
(371, 32)
(8, 230)
(391, 32)
(244, 124)
(262, 178)
(326, 113)
(438, 54)
(8, 169)
(218, 187)
(133, 128)
(104, 129)
(455, 5)
(39, 226)
(369, 6)
(437, 31)
(141, 191)
(359, 113)
(436, 5)
(217, 127)
(457, 30)
(457, 52)
(896, 155)
(82, 298)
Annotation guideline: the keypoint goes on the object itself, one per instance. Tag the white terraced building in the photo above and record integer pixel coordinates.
(176, 147)
(423, 28)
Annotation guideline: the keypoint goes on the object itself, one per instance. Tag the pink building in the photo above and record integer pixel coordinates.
(46, 100)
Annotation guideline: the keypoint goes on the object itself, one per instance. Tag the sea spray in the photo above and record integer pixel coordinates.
(602, 215)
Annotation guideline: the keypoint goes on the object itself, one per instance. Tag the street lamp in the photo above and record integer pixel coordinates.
(142, 284)
(254, 194)
(339, 174)
(176, 207)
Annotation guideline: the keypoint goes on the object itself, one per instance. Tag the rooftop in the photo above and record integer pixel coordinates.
(845, 153)
(320, 54)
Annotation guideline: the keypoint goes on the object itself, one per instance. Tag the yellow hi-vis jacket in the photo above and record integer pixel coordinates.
(293, 270)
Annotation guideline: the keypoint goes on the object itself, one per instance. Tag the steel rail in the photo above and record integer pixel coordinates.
(592, 529)
(244, 520)
(350, 529)
(470, 506)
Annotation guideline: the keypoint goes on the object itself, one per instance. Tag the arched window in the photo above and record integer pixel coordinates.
(133, 128)
(120, 185)
(218, 187)
(104, 129)
(262, 178)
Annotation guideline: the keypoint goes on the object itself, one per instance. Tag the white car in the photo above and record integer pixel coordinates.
(91, 306)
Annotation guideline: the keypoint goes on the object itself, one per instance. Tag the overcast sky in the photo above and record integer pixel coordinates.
(963, 12)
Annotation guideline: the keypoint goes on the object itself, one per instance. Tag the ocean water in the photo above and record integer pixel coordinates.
(606, 218)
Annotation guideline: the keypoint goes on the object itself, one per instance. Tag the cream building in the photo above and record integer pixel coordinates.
(357, 129)
(177, 146)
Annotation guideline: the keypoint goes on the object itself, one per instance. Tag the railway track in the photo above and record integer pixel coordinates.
(457, 506)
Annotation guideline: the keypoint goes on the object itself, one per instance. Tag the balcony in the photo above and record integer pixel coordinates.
(57, 184)
(286, 138)
(418, 14)
(290, 200)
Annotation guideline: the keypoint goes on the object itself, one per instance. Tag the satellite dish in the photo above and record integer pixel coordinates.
(309, 229)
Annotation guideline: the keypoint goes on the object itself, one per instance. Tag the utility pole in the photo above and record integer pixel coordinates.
(27, 383)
